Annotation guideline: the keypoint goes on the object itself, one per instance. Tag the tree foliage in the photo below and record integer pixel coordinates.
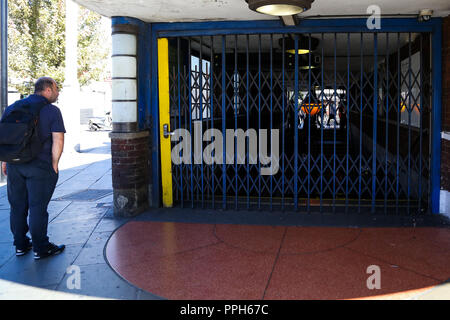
(36, 43)
(93, 53)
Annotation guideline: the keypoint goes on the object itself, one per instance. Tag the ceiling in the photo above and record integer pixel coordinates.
(217, 10)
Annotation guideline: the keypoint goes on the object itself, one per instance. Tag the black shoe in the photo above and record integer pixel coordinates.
(51, 251)
(22, 252)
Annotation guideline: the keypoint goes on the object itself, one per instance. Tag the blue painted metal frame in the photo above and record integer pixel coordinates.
(436, 121)
(148, 94)
(375, 119)
(276, 26)
(224, 165)
(296, 126)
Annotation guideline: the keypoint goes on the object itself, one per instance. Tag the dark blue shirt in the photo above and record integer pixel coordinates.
(50, 120)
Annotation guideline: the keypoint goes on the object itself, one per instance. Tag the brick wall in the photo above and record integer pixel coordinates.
(129, 163)
(445, 158)
(129, 153)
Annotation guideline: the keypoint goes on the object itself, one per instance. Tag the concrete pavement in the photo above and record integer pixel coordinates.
(81, 218)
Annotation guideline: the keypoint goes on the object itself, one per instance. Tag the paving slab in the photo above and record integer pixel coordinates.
(72, 232)
(5, 234)
(3, 189)
(39, 273)
(56, 207)
(4, 215)
(92, 251)
(105, 182)
(79, 211)
(6, 253)
(110, 224)
(99, 281)
(4, 204)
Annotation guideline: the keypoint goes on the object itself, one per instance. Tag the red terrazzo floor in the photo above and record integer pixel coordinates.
(205, 261)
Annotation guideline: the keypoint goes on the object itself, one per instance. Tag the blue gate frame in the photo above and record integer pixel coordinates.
(148, 74)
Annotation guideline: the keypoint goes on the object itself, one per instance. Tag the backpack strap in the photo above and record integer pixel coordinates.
(34, 108)
(37, 107)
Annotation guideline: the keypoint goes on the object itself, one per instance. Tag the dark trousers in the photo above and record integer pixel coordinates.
(30, 187)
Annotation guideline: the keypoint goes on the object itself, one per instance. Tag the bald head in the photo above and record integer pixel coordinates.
(47, 88)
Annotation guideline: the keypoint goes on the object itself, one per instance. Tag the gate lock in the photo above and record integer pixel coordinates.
(166, 131)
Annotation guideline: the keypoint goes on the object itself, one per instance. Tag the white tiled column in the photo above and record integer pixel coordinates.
(124, 79)
(129, 146)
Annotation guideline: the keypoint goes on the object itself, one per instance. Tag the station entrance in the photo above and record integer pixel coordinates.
(308, 122)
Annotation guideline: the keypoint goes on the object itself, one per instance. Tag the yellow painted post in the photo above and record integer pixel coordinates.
(164, 119)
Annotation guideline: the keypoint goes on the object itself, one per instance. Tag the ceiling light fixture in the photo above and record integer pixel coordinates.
(279, 7)
(304, 44)
(289, 20)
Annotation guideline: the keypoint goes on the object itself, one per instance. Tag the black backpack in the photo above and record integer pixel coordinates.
(19, 133)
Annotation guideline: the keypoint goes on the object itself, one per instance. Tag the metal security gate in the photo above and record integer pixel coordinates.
(310, 122)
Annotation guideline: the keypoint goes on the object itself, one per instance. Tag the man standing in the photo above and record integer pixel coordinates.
(31, 185)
